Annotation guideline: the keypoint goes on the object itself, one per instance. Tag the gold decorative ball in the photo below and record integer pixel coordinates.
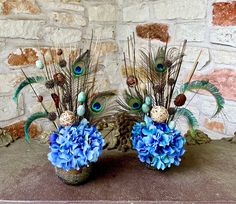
(159, 114)
(67, 118)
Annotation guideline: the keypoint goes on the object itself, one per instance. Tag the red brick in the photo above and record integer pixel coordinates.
(224, 13)
(153, 31)
(224, 79)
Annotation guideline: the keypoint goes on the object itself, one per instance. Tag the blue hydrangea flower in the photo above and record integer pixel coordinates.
(156, 144)
(73, 147)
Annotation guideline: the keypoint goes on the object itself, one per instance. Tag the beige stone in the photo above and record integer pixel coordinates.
(19, 6)
(26, 29)
(9, 109)
(104, 12)
(10, 81)
(180, 9)
(67, 19)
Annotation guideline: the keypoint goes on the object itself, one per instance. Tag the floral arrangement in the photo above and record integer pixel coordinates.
(70, 78)
(76, 146)
(155, 96)
(157, 144)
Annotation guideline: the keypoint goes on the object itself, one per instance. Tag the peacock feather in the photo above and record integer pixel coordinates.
(23, 84)
(131, 103)
(28, 122)
(100, 105)
(81, 64)
(192, 121)
(205, 85)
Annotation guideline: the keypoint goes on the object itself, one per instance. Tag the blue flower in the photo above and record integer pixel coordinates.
(157, 144)
(73, 147)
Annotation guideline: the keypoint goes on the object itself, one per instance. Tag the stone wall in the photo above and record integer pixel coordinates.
(28, 26)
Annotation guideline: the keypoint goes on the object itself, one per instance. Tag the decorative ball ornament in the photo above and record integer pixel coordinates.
(145, 108)
(171, 110)
(62, 63)
(132, 81)
(52, 116)
(160, 67)
(180, 100)
(39, 64)
(67, 118)
(80, 110)
(59, 79)
(40, 98)
(82, 97)
(159, 114)
(172, 125)
(59, 52)
(148, 100)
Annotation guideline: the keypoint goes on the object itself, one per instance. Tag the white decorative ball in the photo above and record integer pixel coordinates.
(159, 114)
(39, 64)
(172, 125)
(67, 118)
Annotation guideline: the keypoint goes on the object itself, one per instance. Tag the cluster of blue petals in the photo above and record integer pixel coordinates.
(73, 147)
(157, 144)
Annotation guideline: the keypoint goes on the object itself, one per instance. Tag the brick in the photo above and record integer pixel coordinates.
(19, 6)
(17, 129)
(23, 57)
(214, 125)
(153, 31)
(224, 13)
(224, 79)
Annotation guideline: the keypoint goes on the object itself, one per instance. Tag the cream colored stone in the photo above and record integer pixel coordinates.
(19, 7)
(192, 53)
(104, 12)
(180, 9)
(62, 35)
(10, 81)
(26, 29)
(66, 19)
(9, 109)
(136, 13)
(223, 35)
(224, 57)
(191, 32)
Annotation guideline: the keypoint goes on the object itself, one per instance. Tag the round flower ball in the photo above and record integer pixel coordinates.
(157, 145)
(73, 147)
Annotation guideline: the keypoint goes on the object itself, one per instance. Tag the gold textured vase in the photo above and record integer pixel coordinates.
(74, 177)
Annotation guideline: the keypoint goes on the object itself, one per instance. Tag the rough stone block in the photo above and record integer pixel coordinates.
(9, 109)
(62, 35)
(180, 9)
(67, 19)
(19, 7)
(194, 32)
(223, 35)
(136, 13)
(223, 57)
(26, 29)
(105, 12)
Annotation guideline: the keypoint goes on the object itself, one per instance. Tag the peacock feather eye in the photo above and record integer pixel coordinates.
(160, 67)
(135, 104)
(78, 69)
(96, 106)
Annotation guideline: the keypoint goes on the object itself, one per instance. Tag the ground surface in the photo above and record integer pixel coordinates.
(207, 173)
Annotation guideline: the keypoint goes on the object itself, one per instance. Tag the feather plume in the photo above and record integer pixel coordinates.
(33, 117)
(192, 121)
(26, 82)
(205, 85)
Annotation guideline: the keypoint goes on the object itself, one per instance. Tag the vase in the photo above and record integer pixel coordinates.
(74, 177)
